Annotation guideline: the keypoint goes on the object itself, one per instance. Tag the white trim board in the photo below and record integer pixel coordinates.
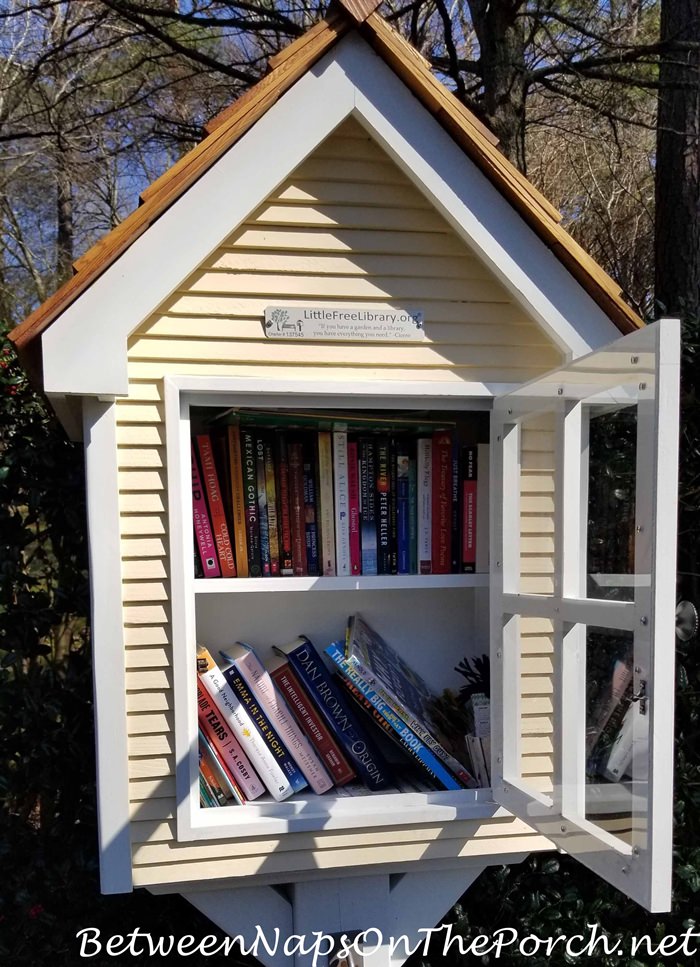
(351, 80)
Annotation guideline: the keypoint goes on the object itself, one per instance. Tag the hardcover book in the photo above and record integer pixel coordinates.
(204, 538)
(250, 497)
(221, 735)
(261, 489)
(441, 551)
(284, 506)
(354, 508)
(326, 521)
(385, 671)
(210, 481)
(272, 516)
(424, 500)
(470, 474)
(341, 484)
(237, 499)
(258, 680)
(335, 709)
(296, 506)
(368, 518)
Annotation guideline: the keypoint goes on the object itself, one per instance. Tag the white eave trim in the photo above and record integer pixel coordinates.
(85, 350)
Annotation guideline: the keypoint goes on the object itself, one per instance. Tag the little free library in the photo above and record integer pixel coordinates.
(370, 609)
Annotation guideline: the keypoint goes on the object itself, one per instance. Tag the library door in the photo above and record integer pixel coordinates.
(582, 615)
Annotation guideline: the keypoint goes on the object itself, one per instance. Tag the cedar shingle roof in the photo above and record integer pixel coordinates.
(285, 69)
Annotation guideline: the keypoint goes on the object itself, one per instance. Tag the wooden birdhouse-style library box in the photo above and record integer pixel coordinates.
(351, 397)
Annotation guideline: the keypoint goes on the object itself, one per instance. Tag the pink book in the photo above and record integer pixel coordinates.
(203, 535)
(258, 680)
(354, 509)
(222, 738)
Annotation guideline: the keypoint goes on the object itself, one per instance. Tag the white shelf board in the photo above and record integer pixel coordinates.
(366, 583)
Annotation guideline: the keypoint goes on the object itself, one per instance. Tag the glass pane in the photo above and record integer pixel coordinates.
(612, 478)
(617, 736)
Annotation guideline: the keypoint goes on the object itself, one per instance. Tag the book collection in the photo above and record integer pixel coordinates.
(295, 494)
(357, 719)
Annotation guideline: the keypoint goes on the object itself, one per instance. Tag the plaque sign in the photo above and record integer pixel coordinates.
(344, 323)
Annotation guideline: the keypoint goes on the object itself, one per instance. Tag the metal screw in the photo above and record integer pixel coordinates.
(563, 828)
(640, 528)
(642, 386)
(637, 670)
(510, 412)
(498, 563)
(498, 439)
(499, 758)
(634, 359)
(644, 621)
(560, 391)
(498, 654)
(635, 850)
(625, 870)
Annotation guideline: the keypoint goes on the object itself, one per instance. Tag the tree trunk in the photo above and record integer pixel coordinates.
(65, 233)
(678, 164)
(501, 35)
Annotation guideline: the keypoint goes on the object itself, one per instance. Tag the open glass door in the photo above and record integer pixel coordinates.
(583, 570)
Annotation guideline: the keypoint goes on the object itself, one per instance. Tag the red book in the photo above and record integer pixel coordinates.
(216, 506)
(442, 503)
(232, 757)
(297, 509)
(354, 508)
(202, 524)
(469, 485)
(303, 710)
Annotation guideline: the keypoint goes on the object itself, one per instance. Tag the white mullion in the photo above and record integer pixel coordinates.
(616, 615)
(575, 501)
(572, 719)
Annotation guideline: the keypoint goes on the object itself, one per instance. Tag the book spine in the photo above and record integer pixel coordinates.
(220, 734)
(267, 732)
(272, 515)
(258, 680)
(383, 497)
(310, 509)
(393, 509)
(204, 538)
(237, 500)
(219, 526)
(416, 746)
(368, 520)
(285, 519)
(250, 496)
(412, 514)
(296, 506)
(360, 750)
(226, 781)
(341, 482)
(456, 506)
(326, 522)
(414, 724)
(424, 457)
(354, 509)
(246, 731)
(310, 721)
(206, 796)
(261, 490)
(213, 782)
(403, 555)
(482, 509)
(469, 508)
(441, 509)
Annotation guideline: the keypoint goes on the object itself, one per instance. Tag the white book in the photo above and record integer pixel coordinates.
(325, 504)
(424, 464)
(342, 502)
(243, 727)
(258, 680)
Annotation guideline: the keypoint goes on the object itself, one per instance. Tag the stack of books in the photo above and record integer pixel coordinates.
(295, 494)
(358, 721)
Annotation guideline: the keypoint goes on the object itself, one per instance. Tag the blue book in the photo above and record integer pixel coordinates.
(262, 724)
(411, 740)
(334, 707)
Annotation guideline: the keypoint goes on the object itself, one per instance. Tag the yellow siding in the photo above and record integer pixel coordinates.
(347, 226)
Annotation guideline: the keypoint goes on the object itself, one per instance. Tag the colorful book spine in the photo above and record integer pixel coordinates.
(272, 515)
(482, 509)
(456, 517)
(310, 509)
(441, 552)
(237, 500)
(304, 711)
(368, 519)
(258, 680)
(214, 784)
(267, 732)
(393, 509)
(284, 507)
(203, 536)
(296, 506)
(206, 796)
(261, 490)
(403, 549)
(243, 726)
(383, 500)
(220, 734)
(250, 497)
(356, 744)
(231, 789)
(341, 485)
(424, 470)
(431, 762)
(354, 509)
(326, 522)
(210, 480)
(469, 508)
